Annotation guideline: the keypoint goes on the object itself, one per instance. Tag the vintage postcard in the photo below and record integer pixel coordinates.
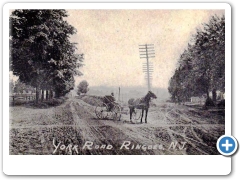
(118, 81)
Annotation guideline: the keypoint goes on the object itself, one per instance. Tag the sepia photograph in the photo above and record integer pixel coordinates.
(116, 81)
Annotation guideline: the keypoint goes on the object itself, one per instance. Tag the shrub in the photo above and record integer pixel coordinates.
(221, 104)
(55, 102)
(209, 102)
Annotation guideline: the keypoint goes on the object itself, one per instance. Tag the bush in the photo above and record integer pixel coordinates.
(93, 100)
(209, 102)
(41, 104)
(55, 102)
(19, 102)
(221, 104)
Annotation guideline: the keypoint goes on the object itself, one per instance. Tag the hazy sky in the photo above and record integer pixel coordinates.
(109, 40)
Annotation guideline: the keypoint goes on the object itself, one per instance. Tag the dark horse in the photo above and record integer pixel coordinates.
(141, 103)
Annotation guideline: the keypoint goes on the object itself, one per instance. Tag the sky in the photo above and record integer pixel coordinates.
(110, 39)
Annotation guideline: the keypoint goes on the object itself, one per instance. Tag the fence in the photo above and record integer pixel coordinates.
(26, 97)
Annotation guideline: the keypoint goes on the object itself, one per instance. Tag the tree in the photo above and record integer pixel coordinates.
(83, 87)
(41, 54)
(201, 67)
(19, 87)
(210, 55)
(182, 86)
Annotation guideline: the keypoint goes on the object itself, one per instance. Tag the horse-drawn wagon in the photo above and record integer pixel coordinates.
(108, 108)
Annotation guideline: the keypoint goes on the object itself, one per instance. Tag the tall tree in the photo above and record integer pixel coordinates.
(201, 66)
(41, 53)
(210, 55)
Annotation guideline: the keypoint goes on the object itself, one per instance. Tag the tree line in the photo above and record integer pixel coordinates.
(41, 54)
(201, 67)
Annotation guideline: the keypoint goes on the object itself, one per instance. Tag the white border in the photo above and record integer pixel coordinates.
(114, 165)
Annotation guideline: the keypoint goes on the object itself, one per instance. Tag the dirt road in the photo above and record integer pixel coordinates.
(73, 128)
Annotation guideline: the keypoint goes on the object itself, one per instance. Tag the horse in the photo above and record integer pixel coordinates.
(141, 103)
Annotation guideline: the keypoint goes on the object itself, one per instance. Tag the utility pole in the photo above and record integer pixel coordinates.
(147, 51)
(119, 94)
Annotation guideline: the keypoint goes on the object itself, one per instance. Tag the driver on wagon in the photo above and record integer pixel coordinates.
(110, 100)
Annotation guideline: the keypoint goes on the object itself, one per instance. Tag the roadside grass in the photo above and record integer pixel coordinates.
(40, 105)
(92, 100)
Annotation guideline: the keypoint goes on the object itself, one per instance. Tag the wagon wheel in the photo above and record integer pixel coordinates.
(101, 111)
(137, 114)
(116, 112)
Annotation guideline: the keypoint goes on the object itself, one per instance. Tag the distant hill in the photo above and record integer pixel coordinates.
(127, 92)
